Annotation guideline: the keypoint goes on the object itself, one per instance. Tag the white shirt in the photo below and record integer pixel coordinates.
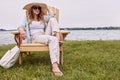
(37, 27)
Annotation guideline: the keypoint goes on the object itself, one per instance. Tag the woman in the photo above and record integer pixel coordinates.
(38, 31)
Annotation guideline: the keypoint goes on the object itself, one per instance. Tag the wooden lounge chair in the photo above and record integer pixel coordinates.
(27, 47)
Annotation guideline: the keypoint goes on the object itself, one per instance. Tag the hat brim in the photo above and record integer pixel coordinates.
(42, 5)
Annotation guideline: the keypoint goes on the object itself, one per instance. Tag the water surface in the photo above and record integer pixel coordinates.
(7, 38)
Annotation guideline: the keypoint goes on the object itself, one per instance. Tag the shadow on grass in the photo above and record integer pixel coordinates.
(36, 58)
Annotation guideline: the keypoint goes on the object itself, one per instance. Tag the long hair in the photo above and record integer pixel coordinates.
(30, 16)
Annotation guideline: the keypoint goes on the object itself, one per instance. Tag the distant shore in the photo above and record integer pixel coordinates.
(92, 28)
(7, 30)
(81, 28)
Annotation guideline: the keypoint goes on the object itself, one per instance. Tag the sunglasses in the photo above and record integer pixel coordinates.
(36, 7)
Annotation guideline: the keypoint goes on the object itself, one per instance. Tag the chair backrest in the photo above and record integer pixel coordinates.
(50, 8)
(55, 11)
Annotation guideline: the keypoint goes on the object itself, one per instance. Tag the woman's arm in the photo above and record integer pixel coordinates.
(22, 33)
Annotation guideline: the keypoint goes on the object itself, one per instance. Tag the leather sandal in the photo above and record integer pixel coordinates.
(59, 74)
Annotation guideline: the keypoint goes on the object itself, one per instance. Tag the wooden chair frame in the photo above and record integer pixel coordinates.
(27, 47)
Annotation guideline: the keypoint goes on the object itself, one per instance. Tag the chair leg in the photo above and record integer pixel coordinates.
(28, 53)
(20, 58)
(61, 57)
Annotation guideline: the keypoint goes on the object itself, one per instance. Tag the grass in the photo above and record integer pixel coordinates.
(83, 60)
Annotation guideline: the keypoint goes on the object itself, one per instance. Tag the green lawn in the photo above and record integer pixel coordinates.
(83, 60)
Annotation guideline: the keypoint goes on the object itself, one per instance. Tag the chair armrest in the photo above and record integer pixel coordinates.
(64, 34)
(17, 38)
(15, 33)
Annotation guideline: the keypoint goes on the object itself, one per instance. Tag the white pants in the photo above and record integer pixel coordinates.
(52, 41)
(52, 27)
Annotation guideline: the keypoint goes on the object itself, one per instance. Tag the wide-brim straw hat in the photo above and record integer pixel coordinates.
(43, 6)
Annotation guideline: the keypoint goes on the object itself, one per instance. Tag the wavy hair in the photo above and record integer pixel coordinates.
(30, 16)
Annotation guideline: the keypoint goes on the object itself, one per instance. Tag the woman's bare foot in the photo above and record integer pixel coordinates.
(55, 70)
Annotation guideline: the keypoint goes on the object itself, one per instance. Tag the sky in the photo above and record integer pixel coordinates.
(73, 13)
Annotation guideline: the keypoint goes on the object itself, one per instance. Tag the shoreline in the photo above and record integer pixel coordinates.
(78, 28)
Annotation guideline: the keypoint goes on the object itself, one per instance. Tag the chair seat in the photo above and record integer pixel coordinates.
(32, 44)
(34, 47)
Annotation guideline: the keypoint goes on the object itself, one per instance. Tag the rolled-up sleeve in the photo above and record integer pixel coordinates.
(22, 24)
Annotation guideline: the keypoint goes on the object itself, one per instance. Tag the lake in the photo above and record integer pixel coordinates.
(7, 38)
(94, 35)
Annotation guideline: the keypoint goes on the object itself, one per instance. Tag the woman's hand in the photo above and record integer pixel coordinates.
(22, 33)
(57, 34)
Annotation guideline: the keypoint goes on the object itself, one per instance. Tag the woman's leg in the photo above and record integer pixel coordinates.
(53, 44)
(53, 28)
(55, 55)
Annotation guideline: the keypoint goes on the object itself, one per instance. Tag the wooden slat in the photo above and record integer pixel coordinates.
(32, 48)
(33, 45)
(15, 32)
(36, 47)
(63, 32)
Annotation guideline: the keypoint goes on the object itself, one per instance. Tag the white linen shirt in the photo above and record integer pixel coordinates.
(36, 27)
